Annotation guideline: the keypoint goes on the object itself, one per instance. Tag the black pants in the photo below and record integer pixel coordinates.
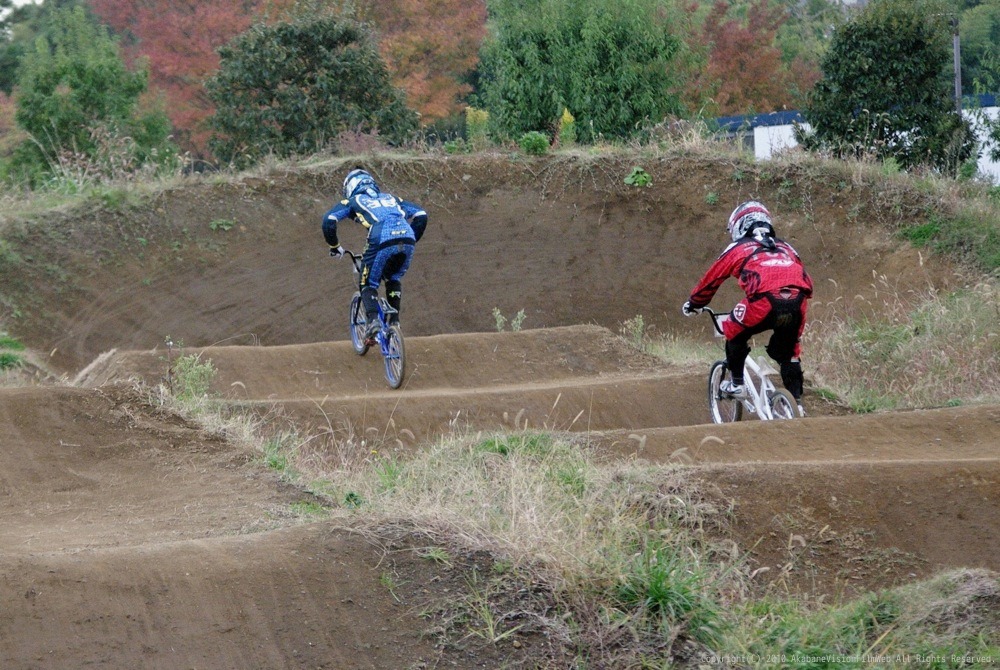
(785, 319)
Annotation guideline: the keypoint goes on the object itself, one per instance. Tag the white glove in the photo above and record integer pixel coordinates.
(337, 252)
(688, 310)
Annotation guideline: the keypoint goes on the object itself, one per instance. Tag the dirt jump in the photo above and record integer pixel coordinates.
(133, 538)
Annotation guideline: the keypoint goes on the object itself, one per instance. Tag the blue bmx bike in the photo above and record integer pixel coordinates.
(389, 337)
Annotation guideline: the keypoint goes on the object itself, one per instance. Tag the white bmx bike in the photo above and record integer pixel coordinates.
(761, 396)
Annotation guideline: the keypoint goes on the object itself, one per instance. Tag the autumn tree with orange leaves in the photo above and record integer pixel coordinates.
(743, 70)
(430, 46)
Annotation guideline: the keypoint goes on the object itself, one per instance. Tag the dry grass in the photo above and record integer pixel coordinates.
(907, 349)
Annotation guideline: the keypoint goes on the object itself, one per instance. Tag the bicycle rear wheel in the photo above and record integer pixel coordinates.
(721, 407)
(359, 324)
(395, 357)
(783, 405)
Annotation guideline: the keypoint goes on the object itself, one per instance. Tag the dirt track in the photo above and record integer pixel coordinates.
(133, 540)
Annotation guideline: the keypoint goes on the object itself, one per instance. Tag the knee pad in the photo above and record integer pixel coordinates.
(777, 351)
(394, 292)
(394, 295)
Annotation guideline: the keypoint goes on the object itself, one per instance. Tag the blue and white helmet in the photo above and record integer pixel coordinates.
(356, 181)
(746, 217)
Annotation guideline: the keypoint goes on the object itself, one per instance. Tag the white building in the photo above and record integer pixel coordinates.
(773, 133)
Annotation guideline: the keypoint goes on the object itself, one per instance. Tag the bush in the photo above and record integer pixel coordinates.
(476, 127)
(291, 88)
(534, 143)
(192, 378)
(80, 105)
(567, 129)
(589, 56)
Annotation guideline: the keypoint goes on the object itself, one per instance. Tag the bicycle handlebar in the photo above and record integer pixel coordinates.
(355, 258)
(717, 318)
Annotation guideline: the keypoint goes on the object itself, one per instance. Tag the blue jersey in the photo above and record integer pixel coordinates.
(388, 219)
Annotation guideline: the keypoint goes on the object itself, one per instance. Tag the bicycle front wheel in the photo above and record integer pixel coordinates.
(395, 357)
(721, 407)
(783, 405)
(359, 324)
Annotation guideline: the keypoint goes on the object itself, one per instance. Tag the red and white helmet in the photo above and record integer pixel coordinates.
(745, 217)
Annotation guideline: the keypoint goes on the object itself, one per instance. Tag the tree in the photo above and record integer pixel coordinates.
(18, 31)
(430, 48)
(744, 67)
(979, 30)
(608, 63)
(291, 88)
(886, 89)
(75, 95)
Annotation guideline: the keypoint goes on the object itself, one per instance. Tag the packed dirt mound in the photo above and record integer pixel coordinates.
(300, 597)
(81, 467)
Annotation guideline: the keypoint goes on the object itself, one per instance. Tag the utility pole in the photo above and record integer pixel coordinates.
(958, 63)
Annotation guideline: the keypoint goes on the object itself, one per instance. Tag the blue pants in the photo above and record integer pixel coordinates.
(390, 264)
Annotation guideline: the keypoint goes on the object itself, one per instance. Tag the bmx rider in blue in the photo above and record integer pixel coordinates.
(394, 227)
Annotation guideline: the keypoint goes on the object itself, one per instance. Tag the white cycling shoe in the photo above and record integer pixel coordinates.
(735, 390)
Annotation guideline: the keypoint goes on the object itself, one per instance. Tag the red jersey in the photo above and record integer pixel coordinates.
(759, 269)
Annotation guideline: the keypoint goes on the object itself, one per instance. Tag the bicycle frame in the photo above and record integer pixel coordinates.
(762, 396)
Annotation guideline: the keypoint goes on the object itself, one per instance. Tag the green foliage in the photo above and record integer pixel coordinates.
(11, 343)
(9, 352)
(663, 583)
(501, 320)
(979, 32)
(9, 360)
(457, 146)
(9, 258)
(191, 378)
(638, 177)
(634, 332)
(19, 28)
(912, 350)
(886, 91)
(222, 224)
(292, 88)
(535, 445)
(968, 236)
(534, 143)
(308, 509)
(80, 105)
(608, 62)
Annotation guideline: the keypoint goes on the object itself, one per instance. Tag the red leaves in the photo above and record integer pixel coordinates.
(430, 46)
(744, 71)
(179, 38)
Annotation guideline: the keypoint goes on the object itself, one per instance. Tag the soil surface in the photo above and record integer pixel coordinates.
(132, 538)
